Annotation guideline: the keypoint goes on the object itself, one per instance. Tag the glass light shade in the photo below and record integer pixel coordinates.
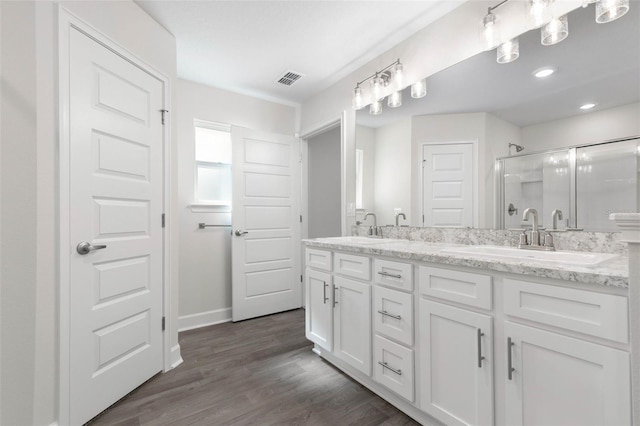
(419, 88)
(508, 51)
(610, 10)
(490, 33)
(540, 12)
(555, 31)
(358, 101)
(376, 88)
(398, 76)
(375, 108)
(395, 99)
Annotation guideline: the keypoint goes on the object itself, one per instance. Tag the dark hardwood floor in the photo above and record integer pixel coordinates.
(255, 372)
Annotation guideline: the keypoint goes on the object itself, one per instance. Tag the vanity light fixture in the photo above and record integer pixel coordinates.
(555, 31)
(390, 76)
(508, 51)
(490, 32)
(375, 108)
(544, 72)
(588, 106)
(610, 10)
(419, 89)
(539, 11)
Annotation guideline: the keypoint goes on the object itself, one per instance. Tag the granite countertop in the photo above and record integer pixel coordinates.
(613, 272)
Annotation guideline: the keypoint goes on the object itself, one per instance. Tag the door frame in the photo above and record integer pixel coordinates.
(475, 173)
(315, 130)
(67, 21)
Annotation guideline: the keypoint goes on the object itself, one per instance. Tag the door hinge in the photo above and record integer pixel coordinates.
(300, 159)
(163, 323)
(163, 220)
(300, 278)
(423, 219)
(163, 112)
(300, 218)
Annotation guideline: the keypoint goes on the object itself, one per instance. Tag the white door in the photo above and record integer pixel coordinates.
(447, 185)
(318, 309)
(266, 225)
(559, 380)
(115, 194)
(457, 363)
(352, 325)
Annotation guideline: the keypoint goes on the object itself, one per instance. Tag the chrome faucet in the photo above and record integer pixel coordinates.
(398, 215)
(555, 215)
(375, 222)
(535, 234)
(534, 243)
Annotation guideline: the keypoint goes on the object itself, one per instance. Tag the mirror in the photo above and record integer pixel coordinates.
(493, 105)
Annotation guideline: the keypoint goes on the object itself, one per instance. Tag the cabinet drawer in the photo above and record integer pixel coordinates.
(393, 274)
(318, 259)
(393, 313)
(352, 266)
(393, 367)
(462, 287)
(596, 314)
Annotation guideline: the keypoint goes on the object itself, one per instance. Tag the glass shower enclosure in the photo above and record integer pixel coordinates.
(586, 183)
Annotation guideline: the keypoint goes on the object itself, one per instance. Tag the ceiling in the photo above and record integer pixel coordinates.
(245, 46)
(596, 63)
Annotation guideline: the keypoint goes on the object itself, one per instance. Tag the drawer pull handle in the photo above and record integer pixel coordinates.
(386, 274)
(480, 357)
(335, 300)
(325, 292)
(388, 367)
(510, 368)
(387, 314)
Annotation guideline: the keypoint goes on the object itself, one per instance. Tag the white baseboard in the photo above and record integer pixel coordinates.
(203, 319)
(176, 357)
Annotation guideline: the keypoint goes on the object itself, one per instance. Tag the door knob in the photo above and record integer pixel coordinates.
(240, 233)
(86, 248)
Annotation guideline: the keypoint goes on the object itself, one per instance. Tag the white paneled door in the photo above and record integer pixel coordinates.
(447, 185)
(116, 196)
(266, 226)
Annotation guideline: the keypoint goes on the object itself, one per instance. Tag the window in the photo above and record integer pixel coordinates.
(213, 164)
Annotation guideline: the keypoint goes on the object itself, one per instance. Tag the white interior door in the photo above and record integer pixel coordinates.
(115, 194)
(447, 185)
(266, 224)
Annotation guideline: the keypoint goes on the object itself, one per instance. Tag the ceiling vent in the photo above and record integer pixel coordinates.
(288, 78)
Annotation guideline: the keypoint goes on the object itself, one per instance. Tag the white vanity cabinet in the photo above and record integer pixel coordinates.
(456, 347)
(470, 346)
(555, 379)
(338, 305)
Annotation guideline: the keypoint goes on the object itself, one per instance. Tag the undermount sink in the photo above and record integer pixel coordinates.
(570, 257)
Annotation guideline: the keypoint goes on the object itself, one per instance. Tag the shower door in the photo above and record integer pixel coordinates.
(538, 181)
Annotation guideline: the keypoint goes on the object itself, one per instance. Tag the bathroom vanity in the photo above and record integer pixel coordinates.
(469, 336)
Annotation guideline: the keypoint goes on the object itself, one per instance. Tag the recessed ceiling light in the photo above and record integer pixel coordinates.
(544, 72)
(588, 105)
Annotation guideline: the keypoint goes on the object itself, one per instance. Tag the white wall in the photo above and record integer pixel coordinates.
(205, 255)
(393, 172)
(592, 127)
(29, 299)
(324, 214)
(366, 141)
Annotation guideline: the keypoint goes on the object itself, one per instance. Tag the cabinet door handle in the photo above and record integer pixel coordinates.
(324, 290)
(510, 368)
(387, 314)
(480, 357)
(388, 367)
(386, 274)
(335, 301)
